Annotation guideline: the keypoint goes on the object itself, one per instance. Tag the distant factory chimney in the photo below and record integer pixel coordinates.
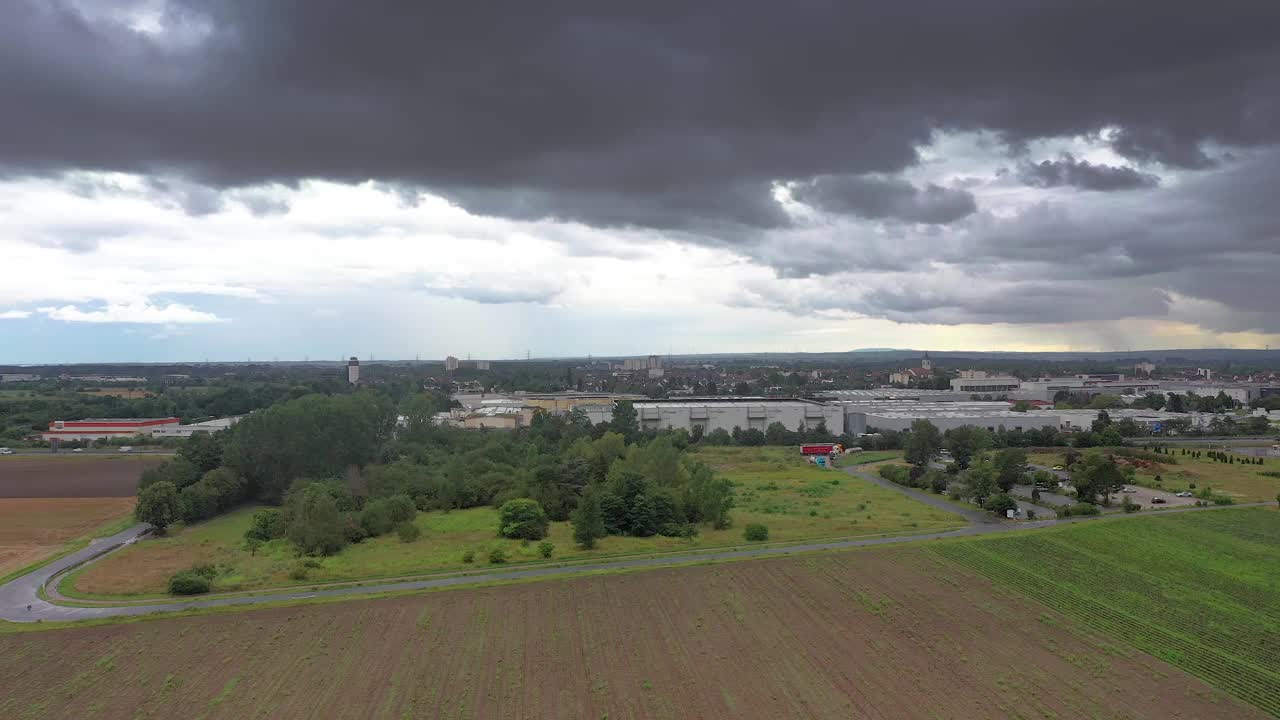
(353, 370)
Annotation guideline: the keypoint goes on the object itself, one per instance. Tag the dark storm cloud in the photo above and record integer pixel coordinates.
(1082, 174)
(877, 198)
(681, 116)
(558, 109)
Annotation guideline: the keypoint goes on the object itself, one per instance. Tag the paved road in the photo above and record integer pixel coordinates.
(18, 594)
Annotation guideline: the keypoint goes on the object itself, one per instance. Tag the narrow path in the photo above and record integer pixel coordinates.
(22, 593)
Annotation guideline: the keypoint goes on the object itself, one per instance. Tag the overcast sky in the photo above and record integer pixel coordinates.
(191, 179)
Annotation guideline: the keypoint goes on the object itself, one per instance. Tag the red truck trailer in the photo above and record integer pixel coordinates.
(821, 449)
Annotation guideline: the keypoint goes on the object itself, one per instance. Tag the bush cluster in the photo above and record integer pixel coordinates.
(1078, 509)
(755, 532)
(192, 581)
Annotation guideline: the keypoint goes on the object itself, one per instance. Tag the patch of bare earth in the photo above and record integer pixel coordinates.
(32, 529)
(891, 634)
(71, 476)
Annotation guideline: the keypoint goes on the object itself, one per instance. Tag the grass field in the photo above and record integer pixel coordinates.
(1245, 483)
(35, 529)
(888, 633)
(795, 500)
(1198, 590)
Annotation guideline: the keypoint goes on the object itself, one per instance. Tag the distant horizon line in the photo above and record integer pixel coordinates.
(591, 356)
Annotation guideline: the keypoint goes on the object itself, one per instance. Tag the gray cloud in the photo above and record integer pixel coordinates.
(878, 198)
(1082, 174)
(664, 116)
(491, 289)
(561, 109)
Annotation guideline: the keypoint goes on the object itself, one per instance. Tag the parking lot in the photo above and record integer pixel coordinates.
(1142, 496)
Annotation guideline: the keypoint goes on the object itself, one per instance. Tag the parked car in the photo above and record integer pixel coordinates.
(1184, 493)
(1158, 501)
(1129, 490)
(1059, 468)
(77, 450)
(5, 451)
(126, 448)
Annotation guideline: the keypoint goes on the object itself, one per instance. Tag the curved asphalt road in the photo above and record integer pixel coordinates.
(23, 592)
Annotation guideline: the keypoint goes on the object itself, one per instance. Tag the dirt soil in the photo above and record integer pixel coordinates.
(32, 529)
(887, 634)
(46, 476)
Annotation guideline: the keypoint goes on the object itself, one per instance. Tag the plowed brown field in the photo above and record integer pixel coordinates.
(891, 634)
(46, 476)
(32, 529)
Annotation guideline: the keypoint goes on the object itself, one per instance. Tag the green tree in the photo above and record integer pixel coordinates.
(1097, 474)
(778, 434)
(1000, 504)
(159, 505)
(755, 532)
(922, 443)
(312, 520)
(1011, 468)
(588, 520)
(979, 482)
(523, 519)
(624, 420)
(965, 442)
(1111, 437)
(265, 526)
(642, 521)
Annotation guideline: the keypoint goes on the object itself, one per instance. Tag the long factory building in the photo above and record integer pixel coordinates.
(851, 411)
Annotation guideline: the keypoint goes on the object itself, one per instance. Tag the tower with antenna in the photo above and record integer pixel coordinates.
(353, 370)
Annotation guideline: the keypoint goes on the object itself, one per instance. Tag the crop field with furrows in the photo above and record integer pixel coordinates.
(49, 476)
(773, 486)
(1200, 590)
(889, 633)
(32, 529)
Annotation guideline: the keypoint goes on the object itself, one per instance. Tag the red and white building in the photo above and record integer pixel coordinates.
(107, 428)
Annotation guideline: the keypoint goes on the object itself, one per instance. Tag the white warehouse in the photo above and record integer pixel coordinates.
(746, 413)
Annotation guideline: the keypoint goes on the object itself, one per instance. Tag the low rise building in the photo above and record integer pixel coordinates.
(744, 413)
(499, 417)
(90, 429)
(976, 381)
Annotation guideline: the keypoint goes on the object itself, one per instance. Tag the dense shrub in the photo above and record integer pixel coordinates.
(376, 518)
(188, 582)
(1000, 504)
(469, 556)
(1078, 509)
(546, 548)
(497, 556)
(755, 532)
(523, 519)
(265, 526)
(408, 532)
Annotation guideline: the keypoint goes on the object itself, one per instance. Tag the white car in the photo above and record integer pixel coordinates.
(126, 448)
(1184, 493)
(5, 451)
(1129, 490)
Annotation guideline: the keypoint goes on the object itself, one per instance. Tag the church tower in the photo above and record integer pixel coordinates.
(926, 363)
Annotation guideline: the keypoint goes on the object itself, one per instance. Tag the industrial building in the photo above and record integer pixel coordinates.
(978, 381)
(951, 418)
(186, 431)
(105, 428)
(1047, 389)
(737, 412)
(18, 377)
(353, 370)
(896, 394)
(1242, 393)
(499, 417)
